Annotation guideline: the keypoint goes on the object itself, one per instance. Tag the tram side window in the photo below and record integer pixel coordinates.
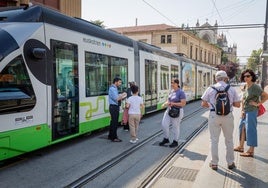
(100, 71)
(174, 71)
(119, 68)
(16, 91)
(164, 77)
(151, 77)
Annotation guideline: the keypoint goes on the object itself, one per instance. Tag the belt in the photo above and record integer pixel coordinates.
(213, 110)
(113, 105)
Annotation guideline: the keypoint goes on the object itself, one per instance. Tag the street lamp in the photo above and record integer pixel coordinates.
(264, 53)
(264, 60)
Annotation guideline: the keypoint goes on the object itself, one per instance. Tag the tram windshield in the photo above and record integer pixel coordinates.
(8, 44)
(16, 92)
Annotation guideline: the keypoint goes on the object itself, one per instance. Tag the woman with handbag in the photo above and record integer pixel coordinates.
(174, 113)
(253, 97)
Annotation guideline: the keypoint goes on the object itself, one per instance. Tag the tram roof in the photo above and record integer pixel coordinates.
(38, 13)
(156, 50)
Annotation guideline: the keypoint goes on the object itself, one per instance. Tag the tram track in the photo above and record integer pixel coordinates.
(153, 176)
(83, 180)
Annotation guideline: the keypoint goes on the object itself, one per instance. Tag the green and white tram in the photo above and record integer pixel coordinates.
(55, 72)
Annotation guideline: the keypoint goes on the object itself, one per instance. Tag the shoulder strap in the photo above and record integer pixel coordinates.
(178, 92)
(227, 87)
(214, 88)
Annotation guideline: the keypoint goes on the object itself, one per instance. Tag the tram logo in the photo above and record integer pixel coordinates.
(97, 43)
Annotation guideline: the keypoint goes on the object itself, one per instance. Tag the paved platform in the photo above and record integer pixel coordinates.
(191, 167)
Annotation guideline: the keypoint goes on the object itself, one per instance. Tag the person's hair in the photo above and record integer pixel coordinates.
(176, 80)
(134, 88)
(116, 79)
(253, 75)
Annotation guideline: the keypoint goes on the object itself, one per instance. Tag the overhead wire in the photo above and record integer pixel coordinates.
(233, 6)
(160, 13)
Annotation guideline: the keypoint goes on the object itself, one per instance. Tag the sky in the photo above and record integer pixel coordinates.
(123, 13)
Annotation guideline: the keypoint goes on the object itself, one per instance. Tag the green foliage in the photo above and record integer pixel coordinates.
(224, 58)
(230, 68)
(98, 22)
(254, 60)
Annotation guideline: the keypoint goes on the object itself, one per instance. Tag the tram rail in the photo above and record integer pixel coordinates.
(83, 180)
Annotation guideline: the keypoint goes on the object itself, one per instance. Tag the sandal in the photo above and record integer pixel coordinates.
(213, 166)
(231, 166)
(239, 149)
(247, 154)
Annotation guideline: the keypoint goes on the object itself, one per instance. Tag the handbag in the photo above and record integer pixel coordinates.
(174, 112)
(261, 110)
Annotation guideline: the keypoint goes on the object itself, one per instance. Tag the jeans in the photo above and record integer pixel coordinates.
(251, 128)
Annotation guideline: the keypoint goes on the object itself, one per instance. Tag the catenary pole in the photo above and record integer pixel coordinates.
(264, 62)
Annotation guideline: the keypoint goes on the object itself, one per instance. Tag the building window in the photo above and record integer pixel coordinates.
(184, 40)
(169, 39)
(212, 58)
(191, 52)
(163, 39)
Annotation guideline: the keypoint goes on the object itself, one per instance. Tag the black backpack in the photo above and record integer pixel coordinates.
(222, 102)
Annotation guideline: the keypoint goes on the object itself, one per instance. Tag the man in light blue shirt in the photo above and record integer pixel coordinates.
(115, 102)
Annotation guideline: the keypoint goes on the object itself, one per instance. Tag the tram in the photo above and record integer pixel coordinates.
(55, 72)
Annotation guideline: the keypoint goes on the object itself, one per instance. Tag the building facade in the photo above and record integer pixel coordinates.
(175, 40)
(69, 7)
(210, 34)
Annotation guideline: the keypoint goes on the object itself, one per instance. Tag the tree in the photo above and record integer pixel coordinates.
(254, 60)
(98, 22)
(230, 68)
(224, 58)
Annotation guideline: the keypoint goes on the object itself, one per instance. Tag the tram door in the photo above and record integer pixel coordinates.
(150, 85)
(66, 90)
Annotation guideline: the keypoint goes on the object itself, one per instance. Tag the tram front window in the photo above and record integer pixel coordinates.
(16, 92)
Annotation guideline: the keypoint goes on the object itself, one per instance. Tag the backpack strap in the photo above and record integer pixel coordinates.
(213, 87)
(225, 90)
(227, 87)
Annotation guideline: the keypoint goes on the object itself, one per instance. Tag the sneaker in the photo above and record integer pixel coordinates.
(133, 141)
(231, 166)
(137, 139)
(116, 140)
(174, 144)
(165, 141)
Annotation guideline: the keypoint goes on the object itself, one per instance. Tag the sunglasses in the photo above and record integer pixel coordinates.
(247, 76)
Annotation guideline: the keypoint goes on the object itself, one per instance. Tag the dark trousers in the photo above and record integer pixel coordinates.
(114, 111)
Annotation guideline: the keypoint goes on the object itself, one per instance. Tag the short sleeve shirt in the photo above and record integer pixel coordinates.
(135, 102)
(113, 95)
(251, 94)
(176, 96)
(210, 94)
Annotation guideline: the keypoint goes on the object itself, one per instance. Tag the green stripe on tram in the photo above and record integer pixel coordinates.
(19, 141)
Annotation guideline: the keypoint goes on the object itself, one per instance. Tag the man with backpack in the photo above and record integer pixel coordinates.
(220, 99)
